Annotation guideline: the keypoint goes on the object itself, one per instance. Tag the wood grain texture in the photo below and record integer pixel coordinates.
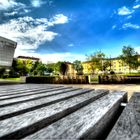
(87, 122)
(26, 123)
(31, 96)
(128, 125)
(30, 92)
(41, 111)
(20, 108)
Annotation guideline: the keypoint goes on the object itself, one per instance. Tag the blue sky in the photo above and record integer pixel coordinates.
(66, 30)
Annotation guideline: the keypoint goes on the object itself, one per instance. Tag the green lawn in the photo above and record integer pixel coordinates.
(12, 79)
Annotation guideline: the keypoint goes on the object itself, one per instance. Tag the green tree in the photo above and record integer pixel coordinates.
(41, 68)
(61, 67)
(130, 57)
(2, 71)
(24, 67)
(98, 61)
(50, 68)
(34, 68)
(106, 64)
(77, 65)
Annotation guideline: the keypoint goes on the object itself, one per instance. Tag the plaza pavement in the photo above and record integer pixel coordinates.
(130, 88)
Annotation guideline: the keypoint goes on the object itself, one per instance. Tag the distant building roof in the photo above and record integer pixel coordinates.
(27, 57)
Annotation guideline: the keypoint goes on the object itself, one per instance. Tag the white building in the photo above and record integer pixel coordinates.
(7, 49)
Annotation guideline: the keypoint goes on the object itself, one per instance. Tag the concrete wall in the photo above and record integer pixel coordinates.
(7, 49)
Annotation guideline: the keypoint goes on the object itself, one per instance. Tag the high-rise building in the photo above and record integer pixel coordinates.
(7, 49)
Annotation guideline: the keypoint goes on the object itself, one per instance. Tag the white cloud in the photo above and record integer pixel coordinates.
(8, 4)
(11, 13)
(37, 3)
(55, 57)
(137, 1)
(137, 49)
(128, 17)
(71, 45)
(28, 32)
(130, 25)
(124, 11)
(12, 7)
(114, 26)
(17, 12)
(136, 6)
(59, 19)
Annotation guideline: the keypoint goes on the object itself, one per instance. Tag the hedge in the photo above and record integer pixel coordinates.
(118, 79)
(58, 80)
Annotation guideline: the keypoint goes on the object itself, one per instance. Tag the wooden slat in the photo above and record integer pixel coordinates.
(19, 86)
(20, 108)
(23, 89)
(87, 122)
(6, 88)
(30, 92)
(27, 123)
(33, 96)
(128, 125)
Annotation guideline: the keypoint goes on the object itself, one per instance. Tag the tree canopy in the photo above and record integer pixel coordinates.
(61, 67)
(130, 57)
(98, 61)
(77, 65)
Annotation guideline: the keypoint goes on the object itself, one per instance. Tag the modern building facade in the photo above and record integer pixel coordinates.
(117, 65)
(7, 49)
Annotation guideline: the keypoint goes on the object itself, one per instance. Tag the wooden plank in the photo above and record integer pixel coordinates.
(24, 88)
(27, 123)
(16, 86)
(20, 91)
(20, 108)
(86, 123)
(33, 96)
(128, 125)
(30, 92)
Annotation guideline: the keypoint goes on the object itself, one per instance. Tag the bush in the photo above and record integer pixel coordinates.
(119, 79)
(57, 80)
(37, 79)
(112, 72)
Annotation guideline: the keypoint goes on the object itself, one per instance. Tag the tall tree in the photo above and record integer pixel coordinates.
(2, 71)
(61, 67)
(41, 69)
(130, 57)
(98, 61)
(77, 65)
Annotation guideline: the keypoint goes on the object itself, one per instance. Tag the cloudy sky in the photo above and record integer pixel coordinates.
(70, 29)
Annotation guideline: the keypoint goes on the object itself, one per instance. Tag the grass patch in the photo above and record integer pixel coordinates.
(12, 79)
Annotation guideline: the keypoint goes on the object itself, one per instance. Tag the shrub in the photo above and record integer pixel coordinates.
(37, 79)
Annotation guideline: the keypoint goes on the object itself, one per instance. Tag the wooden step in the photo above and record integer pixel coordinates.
(22, 89)
(128, 125)
(24, 124)
(30, 92)
(32, 96)
(88, 122)
(56, 96)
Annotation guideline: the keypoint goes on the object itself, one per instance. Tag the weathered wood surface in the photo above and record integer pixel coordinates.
(128, 125)
(34, 111)
(20, 87)
(32, 96)
(34, 104)
(24, 89)
(87, 122)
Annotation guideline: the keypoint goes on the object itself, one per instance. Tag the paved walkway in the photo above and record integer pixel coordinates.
(130, 88)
